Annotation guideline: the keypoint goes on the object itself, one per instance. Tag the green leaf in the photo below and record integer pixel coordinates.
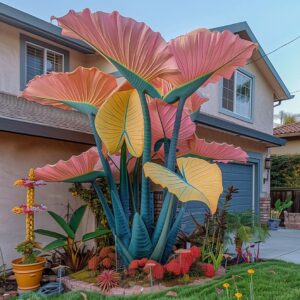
(55, 244)
(63, 224)
(139, 83)
(52, 234)
(77, 217)
(88, 177)
(140, 244)
(95, 234)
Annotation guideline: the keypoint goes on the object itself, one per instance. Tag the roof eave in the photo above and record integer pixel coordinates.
(243, 26)
(29, 23)
(224, 125)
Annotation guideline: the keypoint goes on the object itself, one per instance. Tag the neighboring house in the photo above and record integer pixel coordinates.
(240, 112)
(291, 133)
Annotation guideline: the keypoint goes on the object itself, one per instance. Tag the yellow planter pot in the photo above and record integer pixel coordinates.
(28, 276)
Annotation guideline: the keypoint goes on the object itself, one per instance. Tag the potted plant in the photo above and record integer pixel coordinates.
(245, 227)
(279, 207)
(29, 268)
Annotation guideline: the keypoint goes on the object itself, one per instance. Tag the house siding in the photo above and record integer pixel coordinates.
(262, 103)
(18, 154)
(291, 147)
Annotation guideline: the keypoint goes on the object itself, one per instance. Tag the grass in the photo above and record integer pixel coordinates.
(273, 280)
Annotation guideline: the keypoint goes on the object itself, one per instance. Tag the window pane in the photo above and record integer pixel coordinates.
(243, 95)
(34, 61)
(228, 93)
(54, 62)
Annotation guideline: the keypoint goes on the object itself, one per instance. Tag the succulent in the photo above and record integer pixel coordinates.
(108, 279)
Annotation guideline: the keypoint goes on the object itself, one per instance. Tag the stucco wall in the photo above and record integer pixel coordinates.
(263, 103)
(291, 147)
(18, 154)
(10, 57)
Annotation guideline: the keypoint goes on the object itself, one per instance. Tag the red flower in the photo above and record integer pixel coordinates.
(157, 270)
(208, 270)
(173, 267)
(106, 263)
(133, 265)
(142, 262)
(105, 251)
(93, 263)
(196, 252)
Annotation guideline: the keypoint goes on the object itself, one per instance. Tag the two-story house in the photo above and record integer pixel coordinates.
(240, 112)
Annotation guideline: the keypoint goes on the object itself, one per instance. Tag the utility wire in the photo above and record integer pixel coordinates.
(278, 48)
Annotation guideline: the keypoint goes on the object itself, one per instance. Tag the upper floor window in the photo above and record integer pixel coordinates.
(41, 61)
(237, 95)
(39, 58)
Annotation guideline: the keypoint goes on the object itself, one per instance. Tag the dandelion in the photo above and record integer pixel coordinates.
(226, 285)
(238, 295)
(251, 271)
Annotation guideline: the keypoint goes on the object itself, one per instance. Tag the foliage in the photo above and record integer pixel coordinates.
(89, 196)
(289, 119)
(74, 253)
(280, 206)
(285, 171)
(108, 279)
(120, 119)
(245, 227)
(29, 251)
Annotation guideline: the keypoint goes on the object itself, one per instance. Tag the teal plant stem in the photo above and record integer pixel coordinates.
(124, 185)
(175, 134)
(105, 164)
(145, 193)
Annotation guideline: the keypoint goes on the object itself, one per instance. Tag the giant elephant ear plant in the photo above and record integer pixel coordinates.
(143, 119)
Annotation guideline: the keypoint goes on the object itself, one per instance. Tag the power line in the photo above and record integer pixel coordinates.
(278, 48)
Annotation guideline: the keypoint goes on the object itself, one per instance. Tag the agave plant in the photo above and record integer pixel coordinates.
(149, 116)
(75, 254)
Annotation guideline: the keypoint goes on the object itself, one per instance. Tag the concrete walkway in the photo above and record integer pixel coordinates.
(283, 244)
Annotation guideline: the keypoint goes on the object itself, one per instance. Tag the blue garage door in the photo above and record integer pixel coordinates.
(241, 177)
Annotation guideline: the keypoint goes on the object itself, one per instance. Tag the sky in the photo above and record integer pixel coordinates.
(274, 22)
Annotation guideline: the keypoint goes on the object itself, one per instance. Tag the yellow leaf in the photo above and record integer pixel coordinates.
(200, 181)
(121, 119)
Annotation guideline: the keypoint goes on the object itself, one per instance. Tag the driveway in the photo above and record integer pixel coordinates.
(283, 244)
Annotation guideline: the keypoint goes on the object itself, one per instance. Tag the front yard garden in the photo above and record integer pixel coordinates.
(273, 280)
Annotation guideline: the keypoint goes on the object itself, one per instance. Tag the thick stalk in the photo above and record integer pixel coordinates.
(104, 162)
(29, 204)
(175, 134)
(124, 188)
(145, 193)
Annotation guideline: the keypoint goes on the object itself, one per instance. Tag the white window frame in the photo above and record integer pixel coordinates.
(234, 113)
(45, 50)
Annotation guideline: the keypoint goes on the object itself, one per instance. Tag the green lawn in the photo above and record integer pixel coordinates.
(272, 280)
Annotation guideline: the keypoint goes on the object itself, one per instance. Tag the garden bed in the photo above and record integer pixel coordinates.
(132, 288)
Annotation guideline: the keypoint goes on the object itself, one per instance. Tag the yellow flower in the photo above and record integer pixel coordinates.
(19, 182)
(226, 285)
(238, 295)
(17, 210)
(74, 194)
(251, 271)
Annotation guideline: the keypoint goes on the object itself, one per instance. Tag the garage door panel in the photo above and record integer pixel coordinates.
(238, 175)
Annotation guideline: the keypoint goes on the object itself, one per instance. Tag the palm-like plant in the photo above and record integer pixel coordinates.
(245, 227)
(122, 123)
(75, 254)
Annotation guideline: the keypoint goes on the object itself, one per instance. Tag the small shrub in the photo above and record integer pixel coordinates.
(157, 270)
(108, 279)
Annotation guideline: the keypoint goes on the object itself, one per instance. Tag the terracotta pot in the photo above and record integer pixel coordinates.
(28, 276)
